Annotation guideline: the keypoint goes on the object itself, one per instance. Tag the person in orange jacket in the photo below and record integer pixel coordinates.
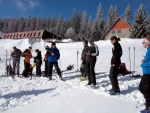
(27, 56)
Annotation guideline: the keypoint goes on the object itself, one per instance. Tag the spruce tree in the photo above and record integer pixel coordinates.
(139, 26)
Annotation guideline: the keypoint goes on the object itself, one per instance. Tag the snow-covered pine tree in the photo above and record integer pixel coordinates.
(48, 23)
(70, 33)
(83, 27)
(53, 24)
(148, 26)
(115, 14)
(98, 25)
(89, 29)
(110, 17)
(58, 25)
(128, 14)
(73, 18)
(21, 25)
(140, 23)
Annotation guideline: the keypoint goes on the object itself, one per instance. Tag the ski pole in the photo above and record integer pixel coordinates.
(134, 58)
(6, 71)
(77, 61)
(129, 58)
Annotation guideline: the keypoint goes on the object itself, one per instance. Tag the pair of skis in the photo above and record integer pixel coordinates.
(133, 74)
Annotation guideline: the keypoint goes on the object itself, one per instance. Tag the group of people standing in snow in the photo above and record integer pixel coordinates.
(88, 57)
(51, 57)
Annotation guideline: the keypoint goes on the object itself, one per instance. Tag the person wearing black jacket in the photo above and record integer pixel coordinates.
(38, 61)
(115, 64)
(83, 58)
(46, 61)
(91, 61)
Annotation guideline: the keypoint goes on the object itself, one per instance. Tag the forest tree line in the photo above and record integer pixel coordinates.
(80, 25)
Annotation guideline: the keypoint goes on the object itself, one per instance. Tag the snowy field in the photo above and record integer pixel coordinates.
(40, 95)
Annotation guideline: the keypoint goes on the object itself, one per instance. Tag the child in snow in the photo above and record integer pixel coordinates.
(144, 85)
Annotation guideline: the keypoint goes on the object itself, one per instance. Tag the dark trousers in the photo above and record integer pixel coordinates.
(46, 67)
(90, 66)
(83, 70)
(113, 78)
(38, 68)
(26, 70)
(50, 65)
(144, 88)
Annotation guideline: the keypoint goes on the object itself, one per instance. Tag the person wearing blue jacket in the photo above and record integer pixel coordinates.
(53, 57)
(144, 86)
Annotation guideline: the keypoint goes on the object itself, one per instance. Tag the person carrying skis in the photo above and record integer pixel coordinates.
(53, 57)
(27, 56)
(115, 64)
(46, 61)
(144, 86)
(91, 61)
(38, 61)
(83, 58)
(16, 55)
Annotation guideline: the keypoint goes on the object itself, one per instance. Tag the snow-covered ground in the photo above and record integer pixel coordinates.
(40, 95)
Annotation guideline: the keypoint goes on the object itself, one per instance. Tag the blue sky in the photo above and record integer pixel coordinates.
(49, 8)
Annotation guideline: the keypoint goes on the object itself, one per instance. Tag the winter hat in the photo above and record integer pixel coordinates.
(145, 41)
(86, 42)
(91, 40)
(53, 43)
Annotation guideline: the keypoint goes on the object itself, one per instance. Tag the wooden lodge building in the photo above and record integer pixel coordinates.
(120, 28)
(35, 36)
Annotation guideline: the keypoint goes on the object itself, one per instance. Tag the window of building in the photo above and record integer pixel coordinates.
(24, 35)
(20, 35)
(10, 36)
(14, 36)
(39, 33)
(113, 32)
(17, 35)
(34, 33)
(119, 31)
(7, 36)
(30, 34)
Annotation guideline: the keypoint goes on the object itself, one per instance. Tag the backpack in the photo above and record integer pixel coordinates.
(70, 67)
(123, 70)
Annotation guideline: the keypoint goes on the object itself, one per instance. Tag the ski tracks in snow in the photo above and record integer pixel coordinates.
(25, 91)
